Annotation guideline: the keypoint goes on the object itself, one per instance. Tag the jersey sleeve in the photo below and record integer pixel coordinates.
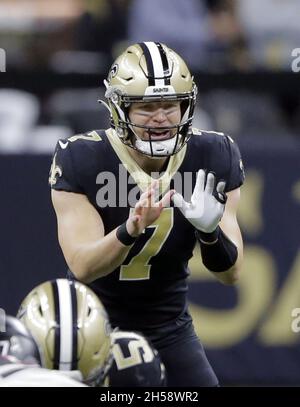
(222, 156)
(236, 173)
(63, 175)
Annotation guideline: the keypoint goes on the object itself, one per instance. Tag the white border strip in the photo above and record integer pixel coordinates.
(66, 325)
(157, 63)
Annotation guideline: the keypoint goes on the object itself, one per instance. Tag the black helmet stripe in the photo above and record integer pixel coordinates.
(75, 337)
(57, 328)
(65, 344)
(157, 63)
(149, 63)
(165, 63)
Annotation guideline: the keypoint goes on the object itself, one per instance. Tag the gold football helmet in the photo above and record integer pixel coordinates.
(71, 327)
(150, 72)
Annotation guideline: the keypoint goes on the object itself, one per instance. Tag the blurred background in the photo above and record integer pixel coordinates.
(54, 56)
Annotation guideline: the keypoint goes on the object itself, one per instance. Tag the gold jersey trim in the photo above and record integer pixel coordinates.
(141, 178)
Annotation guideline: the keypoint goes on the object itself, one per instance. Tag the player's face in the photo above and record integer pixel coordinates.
(155, 115)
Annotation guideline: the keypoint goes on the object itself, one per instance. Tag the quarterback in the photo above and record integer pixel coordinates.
(135, 256)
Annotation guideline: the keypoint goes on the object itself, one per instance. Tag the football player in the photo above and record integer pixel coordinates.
(123, 225)
(135, 362)
(71, 328)
(16, 341)
(20, 361)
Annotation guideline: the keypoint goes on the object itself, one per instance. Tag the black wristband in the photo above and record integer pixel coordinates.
(208, 238)
(217, 255)
(124, 236)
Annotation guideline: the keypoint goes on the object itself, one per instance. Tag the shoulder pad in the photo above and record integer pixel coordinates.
(196, 132)
(91, 136)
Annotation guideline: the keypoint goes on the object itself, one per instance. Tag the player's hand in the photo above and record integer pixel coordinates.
(147, 210)
(207, 204)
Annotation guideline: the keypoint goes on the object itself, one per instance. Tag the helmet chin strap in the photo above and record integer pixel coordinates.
(105, 105)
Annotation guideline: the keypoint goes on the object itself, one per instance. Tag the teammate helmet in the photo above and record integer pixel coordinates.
(135, 362)
(150, 72)
(70, 324)
(16, 341)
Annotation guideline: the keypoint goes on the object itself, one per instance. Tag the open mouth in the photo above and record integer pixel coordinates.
(158, 135)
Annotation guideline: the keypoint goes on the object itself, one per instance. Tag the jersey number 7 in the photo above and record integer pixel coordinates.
(139, 267)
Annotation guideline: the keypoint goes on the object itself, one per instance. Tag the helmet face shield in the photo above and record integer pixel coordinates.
(151, 73)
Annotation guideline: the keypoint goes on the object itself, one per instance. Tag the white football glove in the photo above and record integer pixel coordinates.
(206, 209)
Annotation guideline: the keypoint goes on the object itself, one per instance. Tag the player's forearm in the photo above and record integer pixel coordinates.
(222, 254)
(98, 259)
(230, 227)
(232, 275)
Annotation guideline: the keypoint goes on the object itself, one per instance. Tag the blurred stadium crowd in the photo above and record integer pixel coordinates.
(58, 53)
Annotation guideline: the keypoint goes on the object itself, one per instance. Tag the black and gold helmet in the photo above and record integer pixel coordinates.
(71, 327)
(150, 72)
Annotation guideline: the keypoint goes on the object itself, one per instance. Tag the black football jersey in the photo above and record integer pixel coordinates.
(149, 289)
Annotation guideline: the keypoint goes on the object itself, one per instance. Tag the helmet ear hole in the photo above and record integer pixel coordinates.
(40, 310)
